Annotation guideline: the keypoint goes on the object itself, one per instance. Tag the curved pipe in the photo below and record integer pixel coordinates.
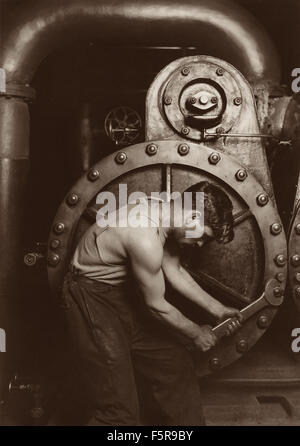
(221, 28)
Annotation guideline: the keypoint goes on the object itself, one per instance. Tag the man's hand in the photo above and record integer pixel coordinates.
(231, 313)
(205, 338)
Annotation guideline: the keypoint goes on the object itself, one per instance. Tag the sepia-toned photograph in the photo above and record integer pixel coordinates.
(149, 216)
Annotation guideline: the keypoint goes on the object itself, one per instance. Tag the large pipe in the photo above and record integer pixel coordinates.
(221, 28)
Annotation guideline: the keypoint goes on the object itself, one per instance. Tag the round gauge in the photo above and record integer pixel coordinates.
(123, 125)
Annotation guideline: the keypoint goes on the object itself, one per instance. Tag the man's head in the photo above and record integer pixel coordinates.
(217, 219)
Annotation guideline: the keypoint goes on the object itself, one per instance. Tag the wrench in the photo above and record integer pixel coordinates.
(272, 296)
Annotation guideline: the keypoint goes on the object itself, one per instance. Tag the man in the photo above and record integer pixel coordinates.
(121, 336)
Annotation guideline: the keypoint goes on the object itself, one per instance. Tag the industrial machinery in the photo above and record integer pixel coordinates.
(216, 110)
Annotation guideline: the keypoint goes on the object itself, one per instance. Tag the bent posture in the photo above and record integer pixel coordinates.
(122, 336)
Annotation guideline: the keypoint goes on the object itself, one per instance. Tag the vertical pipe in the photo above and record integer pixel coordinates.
(14, 151)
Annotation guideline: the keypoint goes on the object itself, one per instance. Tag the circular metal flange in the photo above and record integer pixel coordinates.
(67, 218)
(199, 82)
(294, 256)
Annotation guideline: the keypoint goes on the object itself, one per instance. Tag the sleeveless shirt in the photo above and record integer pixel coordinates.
(90, 256)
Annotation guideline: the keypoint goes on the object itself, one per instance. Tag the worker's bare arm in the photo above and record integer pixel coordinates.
(183, 282)
(146, 252)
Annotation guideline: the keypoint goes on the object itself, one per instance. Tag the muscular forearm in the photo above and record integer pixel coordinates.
(172, 317)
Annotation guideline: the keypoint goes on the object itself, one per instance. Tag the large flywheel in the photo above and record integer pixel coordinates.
(237, 273)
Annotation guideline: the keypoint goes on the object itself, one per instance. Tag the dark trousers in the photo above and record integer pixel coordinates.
(118, 343)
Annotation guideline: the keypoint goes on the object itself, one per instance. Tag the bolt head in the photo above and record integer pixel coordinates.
(93, 174)
(53, 259)
(241, 175)
(214, 100)
(30, 259)
(203, 100)
(214, 158)
(262, 199)
(297, 277)
(295, 260)
(263, 321)
(185, 71)
(120, 158)
(185, 130)
(280, 277)
(215, 364)
(192, 100)
(151, 149)
(275, 228)
(183, 149)
(220, 130)
(72, 199)
(237, 101)
(59, 228)
(167, 100)
(297, 292)
(278, 291)
(280, 260)
(54, 243)
(220, 71)
(242, 346)
(297, 229)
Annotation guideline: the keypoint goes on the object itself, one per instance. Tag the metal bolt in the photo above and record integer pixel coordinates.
(241, 175)
(59, 228)
(93, 174)
(185, 71)
(215, 364)
(280, 277)
(297, 229)
(280, 260)
(263, 321)
(262, 199)
(183, 149)
(120, 158)
(242, 346)
(53, 259)
(214, 100)
(203, 100)
(297, 291)
(220, 130)
(168, 100)
(237, 101)
(151, 149)
(297, 277)
(275, 228)
(185, 130)
(295, 260)
(220, 71)
(278, 291)
(54, 243)
(192, 100)
(30, 259)
(214, 158)
(72, 199)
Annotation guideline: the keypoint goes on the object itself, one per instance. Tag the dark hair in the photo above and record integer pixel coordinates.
(217, 210)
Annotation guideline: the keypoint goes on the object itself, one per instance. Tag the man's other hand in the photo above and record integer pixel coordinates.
(205, 338)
